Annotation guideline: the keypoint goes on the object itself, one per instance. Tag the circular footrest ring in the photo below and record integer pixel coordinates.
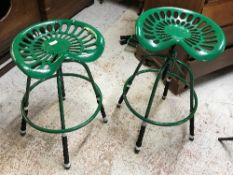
(57, 131)
(153, 122)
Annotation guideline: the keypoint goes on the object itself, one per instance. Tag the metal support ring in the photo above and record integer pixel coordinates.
(153, 122)
(76, 127)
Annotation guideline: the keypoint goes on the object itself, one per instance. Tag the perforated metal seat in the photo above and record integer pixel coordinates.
(164, 27)
(40, 50)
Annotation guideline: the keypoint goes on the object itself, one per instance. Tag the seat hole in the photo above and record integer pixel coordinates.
(162, 14)
(148, 22)
(64, 27)
(71, 29)
(156, 41)
(190, 17)
(196, 21)
(49, 28)
(156, 16)
(177, 21)
(202, 24)
(175, 14)
(207, 47)
(169, 13)
(151, 18)
(183, 15)
(42, 30)
(56, 26)
(207, 28)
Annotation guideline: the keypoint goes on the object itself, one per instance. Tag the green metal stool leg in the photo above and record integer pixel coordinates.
(130, 83)
(143, 126)
(61, 107)
(105, 120)
(191, 127)
(63, 86)
(191, 79)
(25, 105)
(140, 138)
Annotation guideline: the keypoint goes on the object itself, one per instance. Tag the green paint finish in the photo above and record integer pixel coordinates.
(40, 49)
(160, 28)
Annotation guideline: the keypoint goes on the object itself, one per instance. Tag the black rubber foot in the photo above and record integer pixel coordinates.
(136, 150)
(22, 133)
(191, 138)
(164, 97)
(63, 98)
(118, 105)
(105, 120)
(67, 166)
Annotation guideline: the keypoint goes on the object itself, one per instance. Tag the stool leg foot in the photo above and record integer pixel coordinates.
(191, 136)
(23, 127)
(167, 84)
(140, 138)
(102, 110)
(120, 101)
(67, 164)
(105, 120)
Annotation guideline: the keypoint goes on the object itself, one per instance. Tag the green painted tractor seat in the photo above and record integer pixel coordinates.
(160, 28)
(40, 49)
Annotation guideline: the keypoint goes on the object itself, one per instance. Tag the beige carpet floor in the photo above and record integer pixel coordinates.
(107, 149)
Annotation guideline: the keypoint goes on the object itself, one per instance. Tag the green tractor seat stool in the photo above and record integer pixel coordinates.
(40, 50)
(163, 28)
